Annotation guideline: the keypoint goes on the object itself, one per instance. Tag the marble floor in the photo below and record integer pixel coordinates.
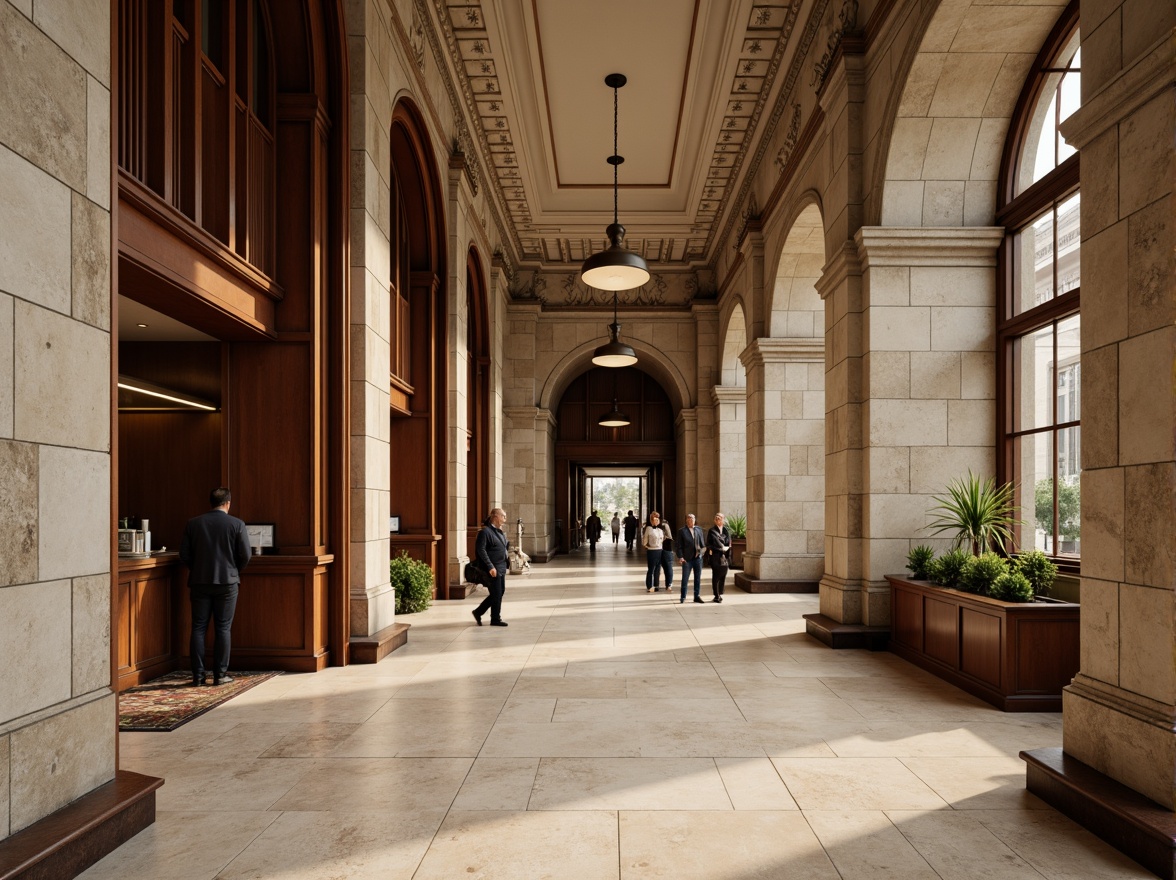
(606, 733)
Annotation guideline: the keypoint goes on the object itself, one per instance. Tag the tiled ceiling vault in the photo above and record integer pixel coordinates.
(703, 75)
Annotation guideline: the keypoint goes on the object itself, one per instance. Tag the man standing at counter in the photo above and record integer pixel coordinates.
(215, 548)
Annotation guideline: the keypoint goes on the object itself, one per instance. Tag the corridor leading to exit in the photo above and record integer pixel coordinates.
(606, 733)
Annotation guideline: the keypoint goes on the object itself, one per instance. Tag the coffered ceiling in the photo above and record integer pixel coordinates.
(701, 75)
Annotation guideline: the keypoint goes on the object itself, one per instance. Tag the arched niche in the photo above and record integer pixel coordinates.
(419, 493)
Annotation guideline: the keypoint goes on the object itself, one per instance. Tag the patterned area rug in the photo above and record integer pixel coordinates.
(167, 702)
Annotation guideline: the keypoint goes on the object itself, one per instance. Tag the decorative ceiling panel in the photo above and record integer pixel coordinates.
(535, 114)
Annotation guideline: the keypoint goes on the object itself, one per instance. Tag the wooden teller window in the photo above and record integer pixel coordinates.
(197, 115)
(1038, 345)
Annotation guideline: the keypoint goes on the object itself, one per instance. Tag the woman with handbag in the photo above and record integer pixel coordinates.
(651, 539)
(718, 549)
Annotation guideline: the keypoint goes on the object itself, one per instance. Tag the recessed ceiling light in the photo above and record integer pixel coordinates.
(140, 325)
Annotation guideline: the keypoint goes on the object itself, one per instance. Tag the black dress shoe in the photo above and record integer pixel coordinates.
(498, 623)
(198, 681)
(223, 679)
(698, 599)
(477, 617)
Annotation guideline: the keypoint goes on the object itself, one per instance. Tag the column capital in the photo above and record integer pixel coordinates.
(728, 394)
(1147, 77)
(782, 351)
(687, 418)
(928, 246)
(842, 265)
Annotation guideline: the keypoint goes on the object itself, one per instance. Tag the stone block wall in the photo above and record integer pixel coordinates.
(57, 710)
(1118, 712)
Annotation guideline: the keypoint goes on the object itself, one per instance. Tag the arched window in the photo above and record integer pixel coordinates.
(1038, 346)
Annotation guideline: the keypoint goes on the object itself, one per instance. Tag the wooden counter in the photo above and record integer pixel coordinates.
(280, 622)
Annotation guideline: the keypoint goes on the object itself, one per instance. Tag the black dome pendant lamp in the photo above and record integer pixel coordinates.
(615, 418)
(614, 353)
(615, 267)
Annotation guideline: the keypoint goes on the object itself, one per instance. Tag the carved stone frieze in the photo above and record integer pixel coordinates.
(790, 139)
(846, 22)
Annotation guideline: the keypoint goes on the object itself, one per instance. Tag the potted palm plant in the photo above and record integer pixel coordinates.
(737, 526)
(977, 617)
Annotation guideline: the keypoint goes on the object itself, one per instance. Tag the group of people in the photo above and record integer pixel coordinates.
(693, 550)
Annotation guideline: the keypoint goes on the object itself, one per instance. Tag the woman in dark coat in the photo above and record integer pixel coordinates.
(718, 549)
(631, 524)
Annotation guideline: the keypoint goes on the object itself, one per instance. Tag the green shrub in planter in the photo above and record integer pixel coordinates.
(981, 572)
(946, 570)
(413, 582)
(1038, 569)
(919, 562)
(1012, 586)
(737, 525)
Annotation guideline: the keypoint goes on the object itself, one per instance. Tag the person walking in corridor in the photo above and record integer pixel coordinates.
(615, 526)
(689, 545)
(651, 540)
(493, 552)
(667, 557)
(718, 547)
(593, 527)
(631, 524)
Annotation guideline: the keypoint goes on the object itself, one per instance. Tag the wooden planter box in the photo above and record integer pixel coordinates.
(1015, 655)
(738, 546)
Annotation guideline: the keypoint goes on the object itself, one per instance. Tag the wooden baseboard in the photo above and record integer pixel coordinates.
(846, 635)
(1128, 821)
(65, 843)
(377, 646)
(750, 584)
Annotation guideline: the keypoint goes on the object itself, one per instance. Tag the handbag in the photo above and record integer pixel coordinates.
(474, 573)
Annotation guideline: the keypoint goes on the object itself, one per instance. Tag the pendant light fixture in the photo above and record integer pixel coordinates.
(615, 418)
(615, 267)
(614, 353)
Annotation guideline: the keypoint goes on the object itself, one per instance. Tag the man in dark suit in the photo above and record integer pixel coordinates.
(689, 545)
(594, 527)
(215, 548)
(493, 552)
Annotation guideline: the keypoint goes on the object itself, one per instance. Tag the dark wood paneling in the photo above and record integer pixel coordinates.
(941, 636)
(273, 466)
(1051, 664)
(981, 648)
(168, 464)
(908, 619)
(147, 634)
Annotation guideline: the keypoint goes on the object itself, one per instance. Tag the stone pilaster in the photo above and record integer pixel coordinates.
(840, 286)
(785, 459)
(1120, 712)
(686, 437)
(530, 437)
(730, 417)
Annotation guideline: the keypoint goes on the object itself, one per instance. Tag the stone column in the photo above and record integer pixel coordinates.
(730, 415)
(929, 386)
(785, 459)
(528, 493)
(58, 714)
(373, 601)
(686, 440)
(1119, 712)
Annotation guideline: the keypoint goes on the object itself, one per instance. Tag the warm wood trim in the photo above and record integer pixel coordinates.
(1015, 141)
(67, 842)
(374, 648)
(1124, 818)
(164, 215)
(1054, 187)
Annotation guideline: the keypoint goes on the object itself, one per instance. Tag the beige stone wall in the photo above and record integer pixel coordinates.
(1118, 712)
(57, 711)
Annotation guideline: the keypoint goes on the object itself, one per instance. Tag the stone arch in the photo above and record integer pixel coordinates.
(650, 360)
(734, 336)
(785, 411)
(730, 401)
(941, 159)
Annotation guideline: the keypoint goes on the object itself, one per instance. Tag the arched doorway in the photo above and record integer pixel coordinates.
(419, 498)
(645, 446)
(477, 483)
